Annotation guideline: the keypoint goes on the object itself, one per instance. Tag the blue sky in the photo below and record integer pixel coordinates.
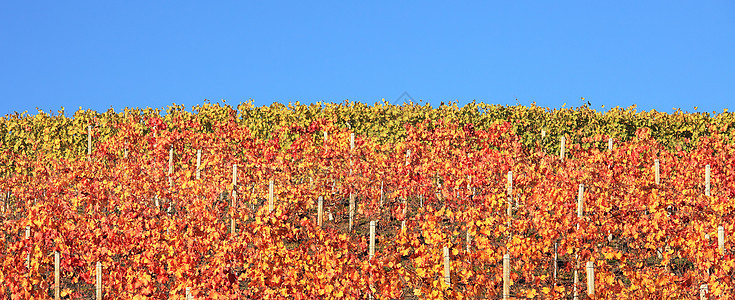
(101, 54)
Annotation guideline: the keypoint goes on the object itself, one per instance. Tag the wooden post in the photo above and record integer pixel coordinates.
(381, 194)
(352, 195)
(703, 291)
(658, 172)
(576, 282)
(199, 164)
(89, 140)
(543, 133)
(234, 198)
(590, 278)
(234, 176)
(580, 201)
(609, 144)
(352, 210)
(371, 252)
(403, 225)
(170, 165)
(468, 239)
(98, 282)
(563, 145)
(509, 212)
(232, 224)
(320, 212)
(580, 213)
(556, 260)
(170, 160)
(125, 153)
(721, 239)
(707, 181)
(270, 195)
(506, 276)
(57, 275)
(510, 183)
(188, 294)
(405, 199)
(28, 257)
(447, 277)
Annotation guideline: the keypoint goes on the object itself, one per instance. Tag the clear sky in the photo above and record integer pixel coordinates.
(101, 54)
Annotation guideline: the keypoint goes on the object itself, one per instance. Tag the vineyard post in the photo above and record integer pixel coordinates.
(381, 194)
(506, 276)
(658, 172)
(580, 202)
(510, 189)
(447, 277)
(468, 238)
(199, 164)
(543, 133)
(270, 195)
(188, 294)
(56, 275)
(703, 291)
(253, 196)
(590, 278)
(403, 225)
(371, 252)
(707, 181)
(609, 144)
(98, 281)
(234, 198)
(352, 210)
(170, 165)
(721, 239)
(580, 213)
(28, 257)
(509, 213)
(405, 199)
(89, 142)
(125, 153)
(469, 186)
(576, 281)
(352, 195)
(556, 257)
(561, 149)
(352, 140)
(320, 211)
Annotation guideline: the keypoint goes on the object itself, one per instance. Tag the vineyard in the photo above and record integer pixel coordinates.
(355, 201)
